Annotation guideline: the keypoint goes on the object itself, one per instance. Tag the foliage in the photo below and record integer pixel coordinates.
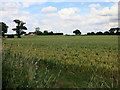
(45, 32)
(38, 32)
(20, 27)
(99, 33)
(112, 31)
(77, 32)
(106, 33)
(3, 28)
(50, 33)
(23, 32)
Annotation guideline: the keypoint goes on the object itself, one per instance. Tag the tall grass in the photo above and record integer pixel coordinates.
(39, 60)
(21, 72)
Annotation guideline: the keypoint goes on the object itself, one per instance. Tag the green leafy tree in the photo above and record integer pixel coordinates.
(91, 33)
(37, 28)
(117, 31)
(77, 32)
(50, 33)
(37, 31)
(45, 32)
(3, 28)
(23, 32)
(106, 33)
(112, 31)
(20, 27)
(99, 33)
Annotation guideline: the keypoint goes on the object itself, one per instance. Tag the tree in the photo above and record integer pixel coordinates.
(99, 33)
(19, 28)
(112, 31)
(50, 33)
(77, 32)
(88, 33)
(45, 32)
(37, 31)
(92, 33)
(23, 32)
(117, 30)
(3, 28)
(106, 33)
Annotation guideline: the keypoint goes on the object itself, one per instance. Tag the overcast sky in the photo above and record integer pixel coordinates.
(61, 16)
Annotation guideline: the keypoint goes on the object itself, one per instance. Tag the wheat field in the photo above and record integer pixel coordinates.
(60, 62)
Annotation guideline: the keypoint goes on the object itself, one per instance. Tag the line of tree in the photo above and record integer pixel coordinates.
(112, 31)
(19, 28)
(38, 32)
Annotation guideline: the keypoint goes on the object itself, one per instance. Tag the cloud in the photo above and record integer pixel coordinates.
(94, 5)
(10, 11)
(106, 12)
(49, 9)
(103, 12)
(112, 0)
(69, 13)
(65, 20)
(26, 1)
(105, 16)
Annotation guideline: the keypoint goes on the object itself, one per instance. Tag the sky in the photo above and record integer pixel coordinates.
(61, 16)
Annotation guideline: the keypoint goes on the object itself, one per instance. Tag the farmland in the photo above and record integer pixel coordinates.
(60, 61)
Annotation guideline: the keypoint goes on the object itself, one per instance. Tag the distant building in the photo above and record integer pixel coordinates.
(31, 33)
